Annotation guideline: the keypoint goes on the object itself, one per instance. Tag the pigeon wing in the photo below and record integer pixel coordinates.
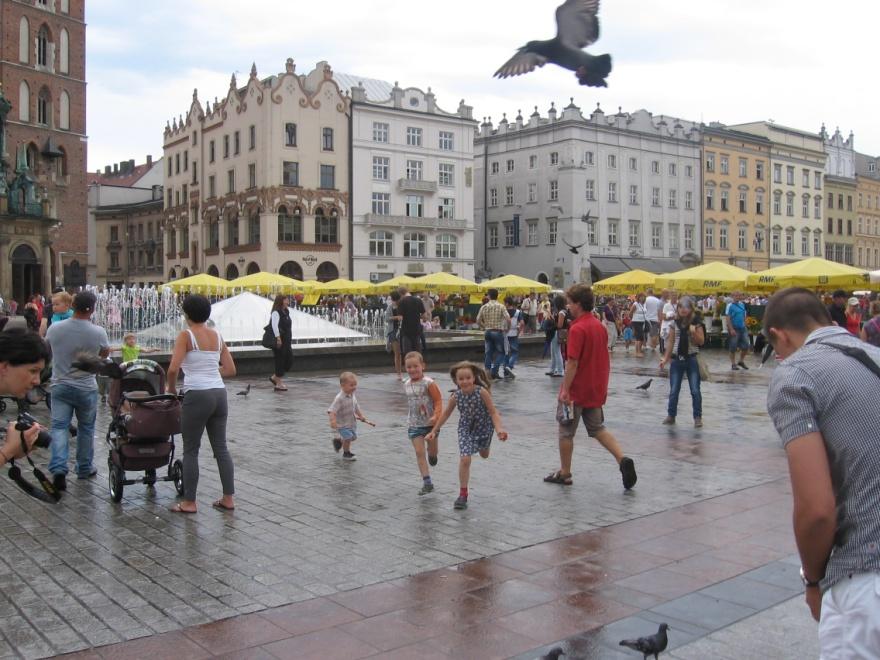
(577, 24)
(523, 62)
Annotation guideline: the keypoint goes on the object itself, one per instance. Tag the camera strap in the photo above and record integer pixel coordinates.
(48, 494)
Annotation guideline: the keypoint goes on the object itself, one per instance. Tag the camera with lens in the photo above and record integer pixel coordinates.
(25, 421)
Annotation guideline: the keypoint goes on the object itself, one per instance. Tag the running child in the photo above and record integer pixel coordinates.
(130, 349)
(425, 404)
(344, 413)
(628, 333)
(477, 420)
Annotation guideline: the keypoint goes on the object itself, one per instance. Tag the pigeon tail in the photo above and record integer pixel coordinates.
(594, 72)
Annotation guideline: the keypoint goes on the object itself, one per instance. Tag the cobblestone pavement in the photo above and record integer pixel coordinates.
(87, 573)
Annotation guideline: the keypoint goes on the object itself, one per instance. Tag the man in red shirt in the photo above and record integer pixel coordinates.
(585, 388)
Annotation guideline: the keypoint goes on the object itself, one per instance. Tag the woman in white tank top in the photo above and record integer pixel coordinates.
(205, 360)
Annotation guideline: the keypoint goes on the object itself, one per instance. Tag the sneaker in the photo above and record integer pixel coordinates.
(669, 421)
(628, 471)
(733, 367)
(59, 481)
(348, 456)
(460, 503)
(508, 373)
(337, 444)
(88, 475)
(432, 460)
(427, 488)
(742, 365)
(698, 422)
(495, 376)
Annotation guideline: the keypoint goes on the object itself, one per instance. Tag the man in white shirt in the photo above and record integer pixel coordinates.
(653, 312)
(668, 315)
(529, 310)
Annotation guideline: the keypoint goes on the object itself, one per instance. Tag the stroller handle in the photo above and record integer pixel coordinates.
(154, 397)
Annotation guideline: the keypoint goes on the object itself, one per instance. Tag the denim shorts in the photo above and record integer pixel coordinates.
(346, 433)
(418, 431)
(739, 341)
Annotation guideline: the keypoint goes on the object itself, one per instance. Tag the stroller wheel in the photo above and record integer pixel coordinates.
(176, 471)
(116, 486)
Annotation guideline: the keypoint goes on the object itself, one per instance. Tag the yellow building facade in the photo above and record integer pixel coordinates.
(867, 233)
(840, 219)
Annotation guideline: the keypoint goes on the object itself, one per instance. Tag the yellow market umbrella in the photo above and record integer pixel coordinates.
(813, 273)
(713, 277)
(515, 285)
(266, 282)
(625, 284)
(445, 283)
(392, 285)
(342, 286)
(201, 283)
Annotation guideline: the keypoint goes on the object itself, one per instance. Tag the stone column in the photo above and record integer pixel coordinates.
(5, 269)
(47, 282)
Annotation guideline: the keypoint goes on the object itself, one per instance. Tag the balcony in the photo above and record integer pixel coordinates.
(407, 221)
(417, 185)
(113, 243)
(287, 246)
(212, 251)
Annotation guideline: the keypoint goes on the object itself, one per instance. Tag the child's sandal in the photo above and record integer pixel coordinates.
(558, 478)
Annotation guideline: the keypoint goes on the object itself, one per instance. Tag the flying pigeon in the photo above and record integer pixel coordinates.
(650, 645)
(573, 248)
(577, 26)
(645, 385)
(585, 218)
(245, 391)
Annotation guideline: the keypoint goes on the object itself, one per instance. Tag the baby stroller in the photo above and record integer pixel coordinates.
(141, 433)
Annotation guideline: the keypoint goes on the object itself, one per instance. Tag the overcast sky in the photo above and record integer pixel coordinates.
(712, 60)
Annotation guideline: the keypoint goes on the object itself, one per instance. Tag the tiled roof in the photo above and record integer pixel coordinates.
(126, 180)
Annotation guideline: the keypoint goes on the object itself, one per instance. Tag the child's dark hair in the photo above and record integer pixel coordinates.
(197, 308)
(480, 375)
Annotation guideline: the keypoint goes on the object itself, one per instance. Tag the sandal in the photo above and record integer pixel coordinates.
(280, 389)
(558, 478)
(177, 509)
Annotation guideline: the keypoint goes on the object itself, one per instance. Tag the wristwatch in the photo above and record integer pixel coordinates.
(807, 583)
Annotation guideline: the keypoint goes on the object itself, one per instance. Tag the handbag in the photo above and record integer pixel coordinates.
(705, 374)
(268, 340)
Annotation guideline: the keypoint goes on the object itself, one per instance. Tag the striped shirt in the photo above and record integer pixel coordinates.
(819, 388)
(493, 316)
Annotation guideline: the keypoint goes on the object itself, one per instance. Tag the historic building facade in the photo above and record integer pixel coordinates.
(567, 198)
(260, 180)
(840, 196)
(42, 69)
(797, 170)
(736, 197)
(412, 184)
(867, 243)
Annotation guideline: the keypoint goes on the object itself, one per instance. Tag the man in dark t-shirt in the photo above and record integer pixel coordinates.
(837, 308)
(411, 309)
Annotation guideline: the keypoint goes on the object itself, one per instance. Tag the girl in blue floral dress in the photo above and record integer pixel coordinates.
(478, 420)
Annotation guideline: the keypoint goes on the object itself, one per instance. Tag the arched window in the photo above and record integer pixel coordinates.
(172, 274)
(291, 269)
(24, 41)
(447, 246)
(44, 107)
(327, 271)
(253, 268)
(542, 278)
(24, 101)
(184, 272)
(64, 55)
(381, 244)
(43, 46)
(326, 226)
(61, 163)
(64, 111)
(232, 229)
(232, 272)
(212, 270)
(172, 243)
(289, 226)
(254, 227)
(32, 155)
(415, 245)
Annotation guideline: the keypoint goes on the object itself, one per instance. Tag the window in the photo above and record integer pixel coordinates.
(673, 239)
(328, 176)
(789, 243)
(381, 203)
(508, 195)
(710, 237)
(177, 163)
(673, 202)
(195, 169)
(689, 237)
(252, 175)
(554, 191)
(759, 240)
(325, 227)
(493, 235)
(759, 203)
(232, 230)
(24, 40)
(777, 173)
(289, 134)
(415, 245)
(212, 186)
(290, 173)
(446, 174)
(840, 226)
(494, 168)
(114, 260)
(533, 192)
(493, 197)
(655, 167)
(380, 131)
(413, 136)
(849, 206)
(789, 205)
(414, 170)
(447, 141)
(612, 161)
(533, 162)
(44, 107)
(195, 138)
(252, 137)
(742, 201)
(689, 171)
(532, 232)
(725, 165)
(741, 238)
(777, 203)
(655, 196)
(722, 237)
(591, 232)
(226, 146)
(830, 225)
(211, 152)
(656, 236)
(775, 241)
(612, 191)
(446, 208)
(612, 232)
(710, 162)
(805, 179)
(446, 246)
(43, 46)
(64, 51)
(710, 198)
(554, 157)
(509, 234)
(688, 200)
(551, 232)
(415, 205)
(289, 226)
(672, 169)
(327, 139)
(380, 168)
(230, 181)
(510, 164)
(591, 189)
(633, 164)
(789, 175)
(237, 142)
(254, 228)
(805, 206)
(805, 239)
(635, 233)
(588, 158)
(743, 167)
(633, 195)
(725, 200)
(759, 170)
(381, 244)
(817, 182)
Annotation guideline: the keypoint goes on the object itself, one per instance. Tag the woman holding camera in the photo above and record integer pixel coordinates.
(22, 357)
(686, 336)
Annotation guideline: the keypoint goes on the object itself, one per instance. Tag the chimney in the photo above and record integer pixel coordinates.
(107, 170)
(131, 165)
(149, 160)
(115, 168)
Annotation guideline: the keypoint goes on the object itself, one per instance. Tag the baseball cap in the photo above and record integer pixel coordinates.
(852, 301)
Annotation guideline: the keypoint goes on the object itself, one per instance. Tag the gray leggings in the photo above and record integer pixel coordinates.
(205, 410)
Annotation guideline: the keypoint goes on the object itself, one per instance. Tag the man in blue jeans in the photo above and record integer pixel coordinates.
(737, 332)
(494, 320)
(75, 391)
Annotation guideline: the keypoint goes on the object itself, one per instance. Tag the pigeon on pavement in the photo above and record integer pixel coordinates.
(645, 385)
(651, 645)
(577, 26)
(553, 654)
(245, 391)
